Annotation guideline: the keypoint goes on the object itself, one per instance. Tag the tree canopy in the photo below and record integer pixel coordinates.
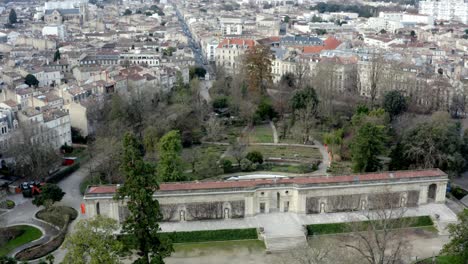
(367, 146)
(394, 103)
(12, 18)
(93, 241)
(50, 193)
(458, 244)
(258, 66)
(170, 162)
(31, 80)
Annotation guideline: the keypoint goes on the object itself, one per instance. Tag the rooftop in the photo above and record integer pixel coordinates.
(302, 181)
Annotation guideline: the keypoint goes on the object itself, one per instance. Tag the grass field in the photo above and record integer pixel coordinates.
(30, 234)
(261, 134)
(302, 154)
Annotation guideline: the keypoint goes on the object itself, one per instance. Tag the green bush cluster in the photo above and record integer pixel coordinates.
(336, 228)
(197, 236)
(458, 192)
(61, 174)
(7, 204)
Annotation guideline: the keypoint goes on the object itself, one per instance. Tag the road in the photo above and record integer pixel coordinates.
(24, 210)
(200, 60)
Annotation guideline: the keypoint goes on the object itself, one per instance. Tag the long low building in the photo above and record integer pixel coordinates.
(188, 201)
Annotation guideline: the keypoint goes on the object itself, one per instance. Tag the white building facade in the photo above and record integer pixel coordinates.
(445, 9)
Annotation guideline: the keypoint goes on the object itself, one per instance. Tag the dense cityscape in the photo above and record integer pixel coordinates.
(234, 131)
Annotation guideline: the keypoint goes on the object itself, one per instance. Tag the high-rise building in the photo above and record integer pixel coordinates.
(445, 9)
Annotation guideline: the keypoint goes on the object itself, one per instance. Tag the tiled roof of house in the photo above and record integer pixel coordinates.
(237, 41)
(303, 180)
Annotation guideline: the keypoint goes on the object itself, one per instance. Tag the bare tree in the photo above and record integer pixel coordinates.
(237, 150)
(381, 239)
(213, 128)
(34, 157)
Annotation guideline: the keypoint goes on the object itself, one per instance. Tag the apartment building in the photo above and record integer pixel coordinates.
(229, 53)
(445, 9)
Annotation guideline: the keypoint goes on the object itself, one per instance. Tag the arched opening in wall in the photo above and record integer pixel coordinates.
(431, 193)
(98, 208)
(278, 200)
(182, 215)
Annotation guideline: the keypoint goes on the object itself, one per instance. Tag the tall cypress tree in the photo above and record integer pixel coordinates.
(12, 18)
(137, 191)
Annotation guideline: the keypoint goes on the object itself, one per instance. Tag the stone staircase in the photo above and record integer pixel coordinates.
(284, 243)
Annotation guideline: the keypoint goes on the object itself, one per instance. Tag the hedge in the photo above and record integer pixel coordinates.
(61, 174)
(68, 214)
(200, 236)
(336, 228)
(213, 235)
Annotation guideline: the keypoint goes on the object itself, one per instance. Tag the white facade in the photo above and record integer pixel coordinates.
(445, 9)
(48, 78)
(58, 31)
(210, 50)
(150, 59)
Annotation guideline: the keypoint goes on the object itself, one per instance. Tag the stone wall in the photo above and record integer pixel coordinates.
(202, 210)
(343, 203)
(413, 199)
(312, 205)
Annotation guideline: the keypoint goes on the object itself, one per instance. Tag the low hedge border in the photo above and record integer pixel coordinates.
(63, 173)
(338, 228)
(42, 250)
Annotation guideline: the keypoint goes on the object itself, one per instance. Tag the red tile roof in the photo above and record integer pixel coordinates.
(330, 43)
(236, 41)
(291, 180)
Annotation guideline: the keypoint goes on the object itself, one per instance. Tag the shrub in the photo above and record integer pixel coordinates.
(66, 149)
(7, 204)
(265, 111)
(458, 192)
(246, 165)
(255, 157)
(227, 165)
(220, 102)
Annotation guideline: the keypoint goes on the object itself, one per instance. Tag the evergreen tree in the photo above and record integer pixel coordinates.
(57, 55)
(31, 80)
(12, 18)
(143, 221)
(367, 146)
(170, 161)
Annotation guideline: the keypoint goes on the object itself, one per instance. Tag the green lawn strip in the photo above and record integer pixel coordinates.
(261, 134)
(251, 245)
(444, 260)
(30, 234)
(337, 228)
(303, 154)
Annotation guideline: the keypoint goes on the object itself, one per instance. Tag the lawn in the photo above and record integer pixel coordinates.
(444, 260)
(209, 247)
(261, 134)
(200, 151)
(29, 234)
(300, 154)
(340, 168)
(337, 228)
